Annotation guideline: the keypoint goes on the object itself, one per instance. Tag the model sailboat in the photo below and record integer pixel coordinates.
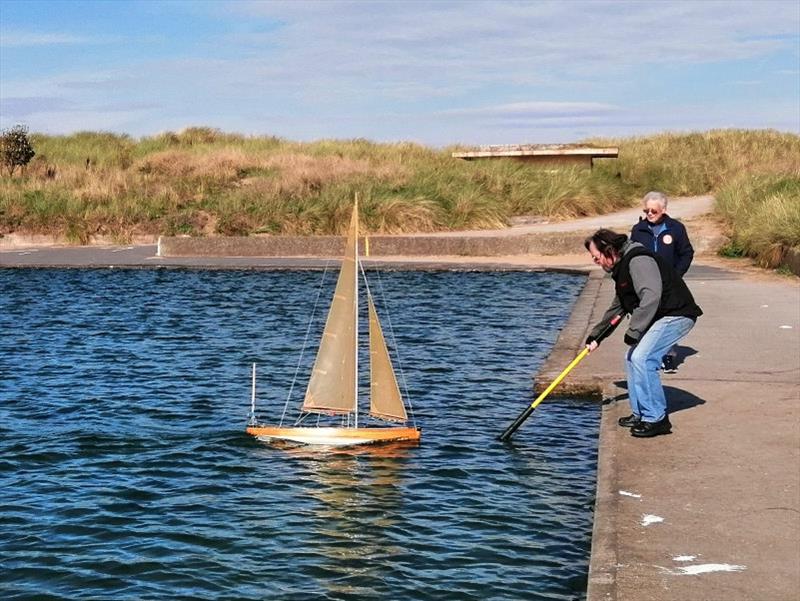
(333, 385)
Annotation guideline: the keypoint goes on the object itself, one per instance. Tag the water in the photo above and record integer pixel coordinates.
(125, 472)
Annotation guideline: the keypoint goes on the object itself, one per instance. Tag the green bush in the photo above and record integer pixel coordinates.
(15, 148)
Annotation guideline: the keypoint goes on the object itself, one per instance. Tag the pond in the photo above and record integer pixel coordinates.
(126, 472)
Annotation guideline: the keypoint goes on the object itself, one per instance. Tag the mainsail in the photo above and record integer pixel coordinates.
(332, 386)
(385, 400)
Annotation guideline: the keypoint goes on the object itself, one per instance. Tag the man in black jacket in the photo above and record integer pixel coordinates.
(667, 238)
(662, 311)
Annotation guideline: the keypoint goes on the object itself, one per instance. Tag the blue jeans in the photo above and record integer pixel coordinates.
(643, 361)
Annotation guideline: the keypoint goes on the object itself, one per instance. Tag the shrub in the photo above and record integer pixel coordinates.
(15, 148)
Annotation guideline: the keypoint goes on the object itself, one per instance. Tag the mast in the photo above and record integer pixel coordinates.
(252, 421)
(356, 262)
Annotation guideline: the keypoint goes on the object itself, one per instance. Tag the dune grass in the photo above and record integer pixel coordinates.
(204, 182)
(699, 163)
(764, 214)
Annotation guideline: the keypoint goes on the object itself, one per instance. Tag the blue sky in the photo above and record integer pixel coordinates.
(435, 73)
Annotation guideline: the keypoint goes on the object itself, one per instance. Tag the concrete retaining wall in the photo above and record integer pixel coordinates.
(570, 342)
(331, 246)
(792, 261)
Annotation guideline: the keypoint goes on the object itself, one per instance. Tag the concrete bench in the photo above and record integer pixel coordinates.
(548, 154)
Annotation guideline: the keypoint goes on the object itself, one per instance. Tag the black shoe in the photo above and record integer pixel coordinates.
(629, 421)
(647, 429)
(668, 364)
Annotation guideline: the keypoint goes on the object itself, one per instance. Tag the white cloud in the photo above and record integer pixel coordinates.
(24, 39)
(534, 110)
(569, 32)
(396, 52)
(23, 107)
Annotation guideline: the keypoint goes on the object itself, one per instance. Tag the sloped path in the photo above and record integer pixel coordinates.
(682, 207)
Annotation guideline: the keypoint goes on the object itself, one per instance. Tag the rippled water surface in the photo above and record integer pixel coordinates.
(125, 472)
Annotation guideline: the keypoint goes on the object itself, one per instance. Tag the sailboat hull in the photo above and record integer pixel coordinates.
(334, 436)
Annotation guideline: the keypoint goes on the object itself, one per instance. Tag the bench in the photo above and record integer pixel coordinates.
(550, 154)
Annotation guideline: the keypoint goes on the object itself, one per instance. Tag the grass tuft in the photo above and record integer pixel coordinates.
(763, 214)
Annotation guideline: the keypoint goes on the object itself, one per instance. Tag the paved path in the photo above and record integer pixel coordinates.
(722, 492)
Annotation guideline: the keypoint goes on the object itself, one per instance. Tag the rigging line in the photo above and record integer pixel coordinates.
(305, 342)
(300, 418)
(364, 275)
(396, 347)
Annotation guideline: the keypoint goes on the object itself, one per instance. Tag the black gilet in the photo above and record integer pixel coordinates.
(676, 299)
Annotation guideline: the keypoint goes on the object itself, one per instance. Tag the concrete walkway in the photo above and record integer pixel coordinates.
(712, 511)
(708, 513)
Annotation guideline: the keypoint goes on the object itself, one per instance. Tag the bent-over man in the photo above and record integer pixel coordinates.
(662, 311)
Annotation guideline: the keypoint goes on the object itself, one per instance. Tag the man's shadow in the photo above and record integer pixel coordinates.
(677, 398)
(681, 353)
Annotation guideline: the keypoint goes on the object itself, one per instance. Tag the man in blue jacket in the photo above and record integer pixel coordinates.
(667, 238)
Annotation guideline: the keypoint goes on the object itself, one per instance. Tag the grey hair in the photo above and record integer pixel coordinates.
(659, 197)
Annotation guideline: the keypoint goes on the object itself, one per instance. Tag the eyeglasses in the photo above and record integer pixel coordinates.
(651, 211)
(597, 258)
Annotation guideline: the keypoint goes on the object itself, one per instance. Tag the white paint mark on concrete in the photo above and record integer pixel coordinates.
(786, 327)
(651, 519)
(625, 493)
(705, 568)
(764, 306)
(684, 558)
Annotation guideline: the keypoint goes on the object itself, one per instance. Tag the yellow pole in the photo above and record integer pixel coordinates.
(560, 377)
(524, 415)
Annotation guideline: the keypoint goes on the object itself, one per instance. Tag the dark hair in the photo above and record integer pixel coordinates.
(606, 241)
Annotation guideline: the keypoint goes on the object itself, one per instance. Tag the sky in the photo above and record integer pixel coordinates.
(434, 73)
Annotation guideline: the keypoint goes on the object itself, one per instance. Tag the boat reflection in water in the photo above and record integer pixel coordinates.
(356, 524)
